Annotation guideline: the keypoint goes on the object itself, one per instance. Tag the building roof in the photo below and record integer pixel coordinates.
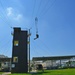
(3, 56)
(52, 58)
(5, 59)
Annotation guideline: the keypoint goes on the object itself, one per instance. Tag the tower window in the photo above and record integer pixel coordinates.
(16, 43)
(15, 59)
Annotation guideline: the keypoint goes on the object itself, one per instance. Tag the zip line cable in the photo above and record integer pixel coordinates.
(4, 14)
(39, 7)
(4, 43)
(33, 8)
(36, 22)
(5, 22)
(44, 45)
(45, 49)
(41, 42)
(44, 7)
(6, 50)
(36, 51)
(4, 46)
(48, 8)
(33, 13)
(42, 48)
(2, 39)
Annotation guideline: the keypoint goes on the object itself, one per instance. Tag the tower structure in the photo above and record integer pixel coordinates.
(19, 51)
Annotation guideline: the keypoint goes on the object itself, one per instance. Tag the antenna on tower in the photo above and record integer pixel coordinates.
(36, 22)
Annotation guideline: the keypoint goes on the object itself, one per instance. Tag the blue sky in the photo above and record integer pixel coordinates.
(56, 25)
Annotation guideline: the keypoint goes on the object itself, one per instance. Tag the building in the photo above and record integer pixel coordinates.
(5, 63)
(56, 62)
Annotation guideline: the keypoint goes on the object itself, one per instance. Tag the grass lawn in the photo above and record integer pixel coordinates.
(53, 72)
(1, 73)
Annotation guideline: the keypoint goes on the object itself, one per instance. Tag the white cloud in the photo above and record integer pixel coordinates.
(13, 14)
(18, 17)
(9, 11)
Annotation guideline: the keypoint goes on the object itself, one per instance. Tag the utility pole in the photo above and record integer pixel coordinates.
(37, 36)
(29, 48)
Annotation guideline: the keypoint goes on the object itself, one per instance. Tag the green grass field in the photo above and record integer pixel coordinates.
(1, 73)
(53, 72)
